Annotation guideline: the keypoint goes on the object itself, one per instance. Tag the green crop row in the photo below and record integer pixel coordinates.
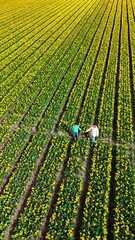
(125, 175)
(125, 132)
(124, 212)
(18, 181)
(95, 215)
(36, 57)
(37, 108)
(30, 42)
(19, 27)
(63, 219)
(35, 211)
(40, 82)
(106, 112)
(82, 72)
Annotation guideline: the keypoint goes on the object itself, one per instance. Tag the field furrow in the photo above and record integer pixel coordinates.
(36, 111)
(66, 62)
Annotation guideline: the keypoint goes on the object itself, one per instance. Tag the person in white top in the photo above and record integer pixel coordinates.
(94, 133)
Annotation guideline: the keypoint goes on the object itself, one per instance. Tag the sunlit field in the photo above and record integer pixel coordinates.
(63, 62)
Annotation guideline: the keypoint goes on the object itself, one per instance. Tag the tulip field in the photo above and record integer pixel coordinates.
(63, 62)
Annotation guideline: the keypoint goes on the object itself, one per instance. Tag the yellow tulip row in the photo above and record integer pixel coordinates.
(95, 213)
(96, 210)
(125, 132)
(24, 22)
(38, 203)
(64, 216)
(125, 176)
(17, 184)
(29, 150)
(124, 212)
(107, 112)
(92, 95)
(21, 77)
(39, 82)
(64, 91)
(83, 82)
(19, 136)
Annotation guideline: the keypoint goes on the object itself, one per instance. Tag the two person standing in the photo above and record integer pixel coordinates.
(93, 130)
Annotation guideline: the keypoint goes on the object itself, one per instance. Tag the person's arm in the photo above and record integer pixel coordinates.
(89, 129)
(97, 132)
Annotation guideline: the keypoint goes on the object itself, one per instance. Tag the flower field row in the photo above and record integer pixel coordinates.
(63, 219)
(125, 132)
(91, 98)
(19, 26)
(19, 179)
(96, 210)
(89, 86)
(125, 191)
(33, 56)
(47, 187)
(106, 113)
(131, 19)
(39, 82)
(64, 62)
(53, 108)
(124, 212)
(95, 213)
(36, 209)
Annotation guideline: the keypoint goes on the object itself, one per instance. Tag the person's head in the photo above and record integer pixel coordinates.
(75, 123)
(94, 125)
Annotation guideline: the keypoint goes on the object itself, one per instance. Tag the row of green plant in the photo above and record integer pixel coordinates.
(53, 109)
(106, 113)
(63, 219)
(67, 225)
(96, 210)
(29, 94)
(19, 26)
(95, 215)
(85, 82)
(96, 79)
(17, 184)
(37, 55)
(38, 203)
(124, 211)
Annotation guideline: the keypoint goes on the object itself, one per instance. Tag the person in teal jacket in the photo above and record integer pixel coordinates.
(75, 130)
